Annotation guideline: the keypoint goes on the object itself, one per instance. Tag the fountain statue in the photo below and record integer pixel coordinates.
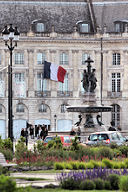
(89, 117)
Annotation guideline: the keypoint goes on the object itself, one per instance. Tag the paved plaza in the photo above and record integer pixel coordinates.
(49, 178)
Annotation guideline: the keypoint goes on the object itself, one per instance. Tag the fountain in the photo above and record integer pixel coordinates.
(89, 117)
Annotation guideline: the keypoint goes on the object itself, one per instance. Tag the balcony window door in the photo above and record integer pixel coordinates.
(19, 85)
(64, 59)
(116, 114)
(63, 87)
(19, 58)
(40, 58)
(116, 82)
(41, 83)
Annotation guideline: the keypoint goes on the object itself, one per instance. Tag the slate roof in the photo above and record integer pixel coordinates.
(63, 14)
(109, 12)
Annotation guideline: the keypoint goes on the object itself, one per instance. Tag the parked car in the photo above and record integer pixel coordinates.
(65, 139)
(106, 137)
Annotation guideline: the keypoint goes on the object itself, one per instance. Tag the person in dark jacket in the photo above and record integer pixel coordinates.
(72, 132)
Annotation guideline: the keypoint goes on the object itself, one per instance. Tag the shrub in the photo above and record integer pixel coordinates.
(40, 147)
(87, 185)
(122, 165)
(126, 163)
(124, 150)
(21, 149)
(74, 165)
(70, 183)
(123, 184)
(105, 152)
(75, 144)
(7, 184)
(99, 183)
(107, 163)
(58, 166)
(116, 165)
(89, 165)
(107, 185)
(81, 165)
(7, 143)
(113, 145)
(7, 153)
(95, 163)
(67, 165)
(114, 181)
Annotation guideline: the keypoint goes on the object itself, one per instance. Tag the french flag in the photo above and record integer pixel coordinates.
(54, 72)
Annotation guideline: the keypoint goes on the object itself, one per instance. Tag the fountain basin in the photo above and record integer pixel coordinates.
(89, 109)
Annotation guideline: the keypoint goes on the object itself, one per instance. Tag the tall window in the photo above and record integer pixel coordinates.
(19, 77)
(64, 86)
(64, 59)
(43, 108)
(40, 58)
(20, 108)
(19, 85)
(19, 58)
(41, 83)
(116, 114)
(84, 58)
(116, 59)
(84, 28)
(116, 81)
(40, 27)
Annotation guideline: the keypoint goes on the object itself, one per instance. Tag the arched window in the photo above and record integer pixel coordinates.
(20, 108)
(43, 108)
(116, 114)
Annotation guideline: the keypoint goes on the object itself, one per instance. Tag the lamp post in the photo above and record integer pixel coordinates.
(10, 36)
(55, 117)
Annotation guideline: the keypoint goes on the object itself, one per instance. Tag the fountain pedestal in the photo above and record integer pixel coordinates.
(89, 111)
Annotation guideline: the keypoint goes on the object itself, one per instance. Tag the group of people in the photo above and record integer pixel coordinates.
(39, 131)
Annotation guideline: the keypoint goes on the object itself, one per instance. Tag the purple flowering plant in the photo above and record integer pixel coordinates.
(91, 174)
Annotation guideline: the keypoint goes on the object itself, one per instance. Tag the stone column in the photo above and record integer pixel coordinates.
(30, 74)
(75, 72)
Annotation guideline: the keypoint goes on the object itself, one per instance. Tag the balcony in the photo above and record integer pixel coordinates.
(64, 93)
(114, 94)
(42, 93)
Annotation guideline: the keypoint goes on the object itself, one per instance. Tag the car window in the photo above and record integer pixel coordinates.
(48, 139)
(67, 139)
(93, 137)
(114, 136)
(120, 137)
(103, 137)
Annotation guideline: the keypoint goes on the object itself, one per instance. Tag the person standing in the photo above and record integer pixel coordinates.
(22, 132)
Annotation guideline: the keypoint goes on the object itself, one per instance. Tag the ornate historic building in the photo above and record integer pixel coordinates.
(65, 33)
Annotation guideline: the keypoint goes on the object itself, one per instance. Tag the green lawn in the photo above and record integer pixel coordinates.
(62, 190)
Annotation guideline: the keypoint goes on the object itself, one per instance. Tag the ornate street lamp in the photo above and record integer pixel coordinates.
(55, 118)
(10, 36)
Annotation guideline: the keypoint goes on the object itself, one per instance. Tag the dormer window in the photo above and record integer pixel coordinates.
(84, 28)
(40, 27)
(120, 26)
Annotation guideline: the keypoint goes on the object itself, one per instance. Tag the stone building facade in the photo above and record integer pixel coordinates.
(64, 33)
